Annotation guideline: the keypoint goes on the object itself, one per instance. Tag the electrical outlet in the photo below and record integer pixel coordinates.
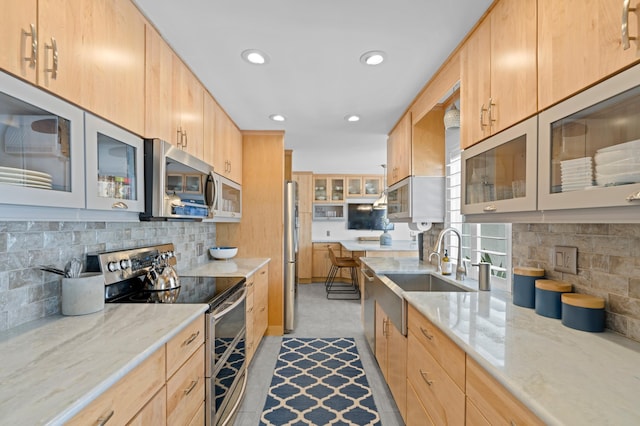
(328, 233)
(565, 259)
(199, 249)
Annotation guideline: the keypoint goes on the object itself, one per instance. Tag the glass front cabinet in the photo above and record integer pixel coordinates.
(114, 159)
(499, 174)
(328, 189)
(589, 147)
(41, 148)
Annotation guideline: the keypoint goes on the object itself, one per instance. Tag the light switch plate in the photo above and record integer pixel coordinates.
(565, 259)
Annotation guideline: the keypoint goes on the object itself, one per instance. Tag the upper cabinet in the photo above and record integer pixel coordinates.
(174, 98)
(90, 53)
(227, 146)
(399, 151)
(589, 147)
(42, 161)
(364, 186)
(582, 42)
(19, 35)
(498, 71)
(328, 188)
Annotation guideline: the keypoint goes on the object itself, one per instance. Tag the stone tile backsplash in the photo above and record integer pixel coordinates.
(26, 293)
(608, 264)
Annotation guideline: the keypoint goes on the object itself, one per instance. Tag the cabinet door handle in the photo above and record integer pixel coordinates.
(185, 139)
(191, 387)
(490, 112)
(625, 24)
(426, 333)
(490, 208)
(191, 338)
(179, 136)
(102, 420)
(633, 197)
(33, 59)
(482, 111)
(365, 274)
(54, 48)
(425, 378)
(119, 205)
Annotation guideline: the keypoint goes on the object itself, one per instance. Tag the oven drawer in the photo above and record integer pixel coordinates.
(123, 400)
(184, 344)
(185, 390)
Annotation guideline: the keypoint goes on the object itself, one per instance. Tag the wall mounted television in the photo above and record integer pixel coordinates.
(363, 216)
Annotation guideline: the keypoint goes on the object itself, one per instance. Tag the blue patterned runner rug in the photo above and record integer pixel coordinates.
(319, 381)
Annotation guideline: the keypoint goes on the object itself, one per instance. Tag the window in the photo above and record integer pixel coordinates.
(486, 242)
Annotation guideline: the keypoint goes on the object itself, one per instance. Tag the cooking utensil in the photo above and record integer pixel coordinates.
(74, 267)
(52, 269)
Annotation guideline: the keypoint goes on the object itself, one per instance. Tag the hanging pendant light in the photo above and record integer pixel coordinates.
(452, 117)
(381, 202)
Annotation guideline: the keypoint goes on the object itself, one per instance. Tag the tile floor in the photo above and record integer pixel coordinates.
(317, 317)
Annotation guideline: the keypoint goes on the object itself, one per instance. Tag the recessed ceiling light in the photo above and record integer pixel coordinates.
(277, 117)
(352, 118)
(254, 56)
(373, 57)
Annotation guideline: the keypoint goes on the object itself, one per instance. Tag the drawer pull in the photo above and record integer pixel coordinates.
(425, 378)
(634, 197)
(191, 387)
(191, 338)
(426, 333)
(104, 419)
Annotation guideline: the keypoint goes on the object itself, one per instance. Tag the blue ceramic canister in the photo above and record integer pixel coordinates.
(583, 312)
(524, 285)
(548, 292)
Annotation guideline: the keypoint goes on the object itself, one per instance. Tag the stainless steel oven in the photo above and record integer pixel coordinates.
(126, 281)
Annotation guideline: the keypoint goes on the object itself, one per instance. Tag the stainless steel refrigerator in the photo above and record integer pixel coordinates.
(290, 255)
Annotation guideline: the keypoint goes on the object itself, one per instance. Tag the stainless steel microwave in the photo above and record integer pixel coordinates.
(178, 186)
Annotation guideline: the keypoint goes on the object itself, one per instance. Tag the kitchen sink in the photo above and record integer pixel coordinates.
(423, 282)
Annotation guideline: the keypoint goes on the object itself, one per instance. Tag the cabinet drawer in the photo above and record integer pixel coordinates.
(123, 400)
(416, 414)
(185, 390)
(199, 418)
(493, 401)
(184, 344)
(154, 413)
(474, 416)
(440, 395)
(440, 347)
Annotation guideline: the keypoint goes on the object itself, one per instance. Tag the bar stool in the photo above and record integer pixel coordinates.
(352, 290)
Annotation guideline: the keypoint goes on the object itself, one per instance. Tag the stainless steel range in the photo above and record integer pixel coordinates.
(147, 275)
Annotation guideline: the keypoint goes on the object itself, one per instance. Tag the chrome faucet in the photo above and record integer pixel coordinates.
(461, 270)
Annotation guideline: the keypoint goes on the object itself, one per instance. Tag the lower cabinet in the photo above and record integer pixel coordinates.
(257, 309)
(491, 403)
(167, 388)
(391, 354)
(321, 261)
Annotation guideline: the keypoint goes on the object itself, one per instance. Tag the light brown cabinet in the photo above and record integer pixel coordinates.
(174, 98)
(305, 213)
(257, 309)
(227, 142)
(321, 261)
(580, 43)
(166, 388)
(364, 186)
(391, 354)
(489, 402)
(498, 74)
(399, 151)
(328, 188)
(90, 53)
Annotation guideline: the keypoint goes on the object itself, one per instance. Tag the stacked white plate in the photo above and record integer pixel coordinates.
(576, 174)
(24, 177)
(618, 164)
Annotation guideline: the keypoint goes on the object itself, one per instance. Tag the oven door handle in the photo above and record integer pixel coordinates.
(218, 315)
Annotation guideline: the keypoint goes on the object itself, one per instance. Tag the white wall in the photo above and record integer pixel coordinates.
(338, 232)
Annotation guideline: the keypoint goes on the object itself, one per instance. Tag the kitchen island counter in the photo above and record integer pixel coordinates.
(374, 246)
(54, 367)
(564, 376)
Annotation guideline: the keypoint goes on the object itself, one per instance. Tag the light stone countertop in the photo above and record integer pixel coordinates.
(565, 376)
(400, 245)
(52, 368)
(236, 267)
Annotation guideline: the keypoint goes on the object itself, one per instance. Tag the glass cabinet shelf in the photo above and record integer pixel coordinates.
(499, 174)
(590, 147)
(328, 212)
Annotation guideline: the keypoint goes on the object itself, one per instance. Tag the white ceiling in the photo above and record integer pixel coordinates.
(314, 76)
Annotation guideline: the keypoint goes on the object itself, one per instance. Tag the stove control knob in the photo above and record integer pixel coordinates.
(113, 266)
(125, 263)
